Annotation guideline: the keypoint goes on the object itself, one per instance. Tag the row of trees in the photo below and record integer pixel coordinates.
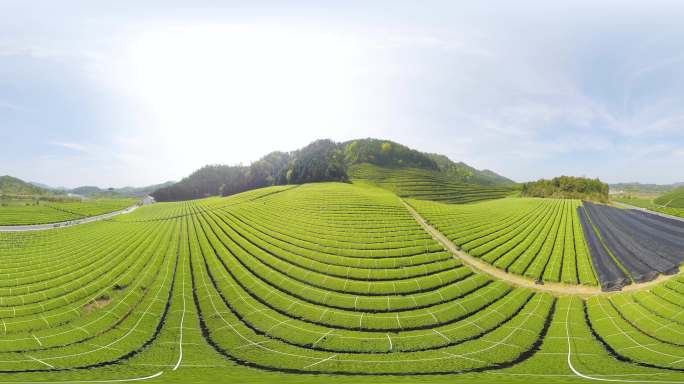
(567, 187)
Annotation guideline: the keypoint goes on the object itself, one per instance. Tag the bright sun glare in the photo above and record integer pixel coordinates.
(241, 82)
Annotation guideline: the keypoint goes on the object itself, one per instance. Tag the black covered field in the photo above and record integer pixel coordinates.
(631, 246)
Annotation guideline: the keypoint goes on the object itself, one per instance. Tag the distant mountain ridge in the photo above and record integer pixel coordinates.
(644, 188)
(91, 191)
(322, 160)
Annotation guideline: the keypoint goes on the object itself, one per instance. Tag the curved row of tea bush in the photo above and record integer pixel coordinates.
(538, 238)
(86, 295)
(322, 278)
(425, 184)
(645, 327)
(338, 278)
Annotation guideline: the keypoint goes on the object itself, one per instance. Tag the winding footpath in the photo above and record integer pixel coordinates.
(556, 289)
(63, 224)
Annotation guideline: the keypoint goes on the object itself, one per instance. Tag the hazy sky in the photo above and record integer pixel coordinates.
(116, 93)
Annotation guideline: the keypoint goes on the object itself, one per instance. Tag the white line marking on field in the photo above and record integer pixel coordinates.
(580, 374)
(180, 340)
(323, 314)
(455, 356)
(101, 347)
(320, 361)
(321, 338)
(277, 324)
(252, 344)
(441, 334)
(40, 361)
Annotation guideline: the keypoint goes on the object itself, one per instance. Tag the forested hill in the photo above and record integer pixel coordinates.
(322, 160)
(393, 155)
(567, 187)
(11, 186)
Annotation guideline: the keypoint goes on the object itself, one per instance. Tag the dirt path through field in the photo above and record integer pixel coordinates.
(557, 289)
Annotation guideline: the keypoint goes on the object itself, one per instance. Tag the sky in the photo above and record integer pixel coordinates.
(116, 93)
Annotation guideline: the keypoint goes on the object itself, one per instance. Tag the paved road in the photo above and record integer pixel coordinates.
(71, 223)
(649, 211)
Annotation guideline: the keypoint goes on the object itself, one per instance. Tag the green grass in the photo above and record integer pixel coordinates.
(309, 284)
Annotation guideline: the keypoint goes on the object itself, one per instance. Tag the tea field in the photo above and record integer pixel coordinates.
(29, 212)
(327, 282)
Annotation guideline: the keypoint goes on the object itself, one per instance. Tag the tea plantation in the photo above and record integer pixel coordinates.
(329, 282)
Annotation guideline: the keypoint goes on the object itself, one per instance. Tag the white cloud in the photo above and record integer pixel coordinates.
(70, 145)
